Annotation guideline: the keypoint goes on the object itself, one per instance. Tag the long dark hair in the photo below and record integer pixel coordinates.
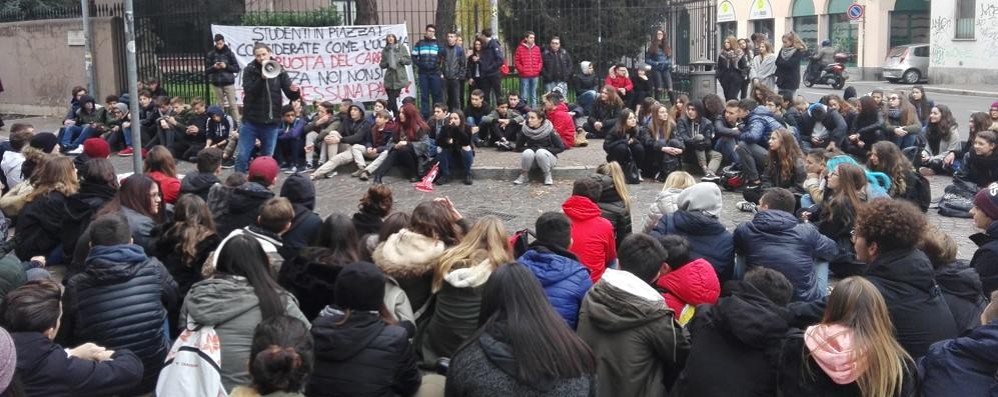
(339, 236)
(160, 159)
(868, 110)
(192, 224)
(946, 123)
(392, 224)
(892, 162)
(979, 121)
(847, 198)
(243, 256)
(544, 347)
(100, 172)
(134, 195)
(431, 219)
(660, 45)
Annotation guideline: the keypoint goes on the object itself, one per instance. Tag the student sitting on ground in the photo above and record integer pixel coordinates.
(564, 279)
(209, 167)
(689, 282)
(593, 238)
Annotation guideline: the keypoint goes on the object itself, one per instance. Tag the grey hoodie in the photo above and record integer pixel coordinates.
(229, 304)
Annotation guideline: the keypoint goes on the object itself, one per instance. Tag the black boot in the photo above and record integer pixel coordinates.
(442, 180)
(467, 180)
(376, 180)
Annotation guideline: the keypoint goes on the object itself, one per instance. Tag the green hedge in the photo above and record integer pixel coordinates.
(327, 16)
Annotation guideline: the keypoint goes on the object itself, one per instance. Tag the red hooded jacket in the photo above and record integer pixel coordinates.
(593, 240)
(528, 61)
(563, 124)
(693, 284)
(619, 82)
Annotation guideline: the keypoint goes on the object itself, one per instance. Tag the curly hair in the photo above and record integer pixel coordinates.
(892, 162)
(378, 201)
(892, 224)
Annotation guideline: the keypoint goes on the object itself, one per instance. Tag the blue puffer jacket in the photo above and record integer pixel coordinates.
(775, 240)
(564, 279)
(759, 125)
(964, 366)
(120, 301)
(707, 237)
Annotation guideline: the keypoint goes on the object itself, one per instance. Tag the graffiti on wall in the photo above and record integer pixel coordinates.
(987, 22)
(941, 31)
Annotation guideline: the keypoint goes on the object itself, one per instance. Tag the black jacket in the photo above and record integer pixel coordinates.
(985, 260)
(81, 209)
(613, 209)
(46, 370)
(225, 76)
(366, 223)
(981, 171)
(198, 183)
(737, 338)
(364, 356)
(452, 138)
(120, 302)
(921, 317)
(305, 225)
(39, 225)
(961, 287)
(310, 277)
(490, 58)
(262, 99)
(557, 66)
(165, 249)
(685, 131)
(244, 207)
(788, 71)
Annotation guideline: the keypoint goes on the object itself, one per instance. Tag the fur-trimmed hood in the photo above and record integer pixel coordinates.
(472, 277)
(407, 254)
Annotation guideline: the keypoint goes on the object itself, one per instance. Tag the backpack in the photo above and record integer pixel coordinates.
(919, 191)
(731, 179)
(193, 364)
(519, 242)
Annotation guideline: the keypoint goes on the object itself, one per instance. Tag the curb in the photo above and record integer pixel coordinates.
(570, 173)
(960, 91)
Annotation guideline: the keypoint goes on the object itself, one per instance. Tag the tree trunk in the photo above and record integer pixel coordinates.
(445, 16)
(367, 12)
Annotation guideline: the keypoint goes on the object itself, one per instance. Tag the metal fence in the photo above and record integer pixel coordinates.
(173, 36)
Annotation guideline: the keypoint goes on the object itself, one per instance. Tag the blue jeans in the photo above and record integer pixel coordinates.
(249, 132)
(904, 142)
(586, 100)
(726, 146)
(75, 135)
(429, 83)
(528, 91)
(444, 158)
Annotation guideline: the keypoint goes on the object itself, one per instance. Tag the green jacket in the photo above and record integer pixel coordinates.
(638, 347)
(394, 58)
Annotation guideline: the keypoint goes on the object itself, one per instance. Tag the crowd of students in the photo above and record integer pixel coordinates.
(398, 302)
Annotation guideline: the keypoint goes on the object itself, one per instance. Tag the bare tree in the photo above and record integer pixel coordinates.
(367, 12)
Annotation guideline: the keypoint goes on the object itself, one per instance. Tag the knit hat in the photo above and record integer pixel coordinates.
(44, 141)
(263, 167)
(360, 286)
(994, 105)
(299, 189)
(704, 197)
(986, 200)
(8, 359)
(96, 148)
(123, 108)
(585, 66)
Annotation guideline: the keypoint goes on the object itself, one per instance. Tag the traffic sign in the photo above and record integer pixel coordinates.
(855, 11)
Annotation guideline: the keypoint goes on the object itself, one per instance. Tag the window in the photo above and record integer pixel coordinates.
(807, 28)
(909, 27)
(843, 35)
(922, 51)
(764, 26)
(965, 18)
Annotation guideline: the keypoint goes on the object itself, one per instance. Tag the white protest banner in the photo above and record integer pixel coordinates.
(328, 63)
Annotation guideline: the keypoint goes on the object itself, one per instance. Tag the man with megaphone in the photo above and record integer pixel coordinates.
(263, 82)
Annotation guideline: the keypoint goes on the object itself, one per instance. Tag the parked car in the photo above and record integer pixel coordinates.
(907, 63)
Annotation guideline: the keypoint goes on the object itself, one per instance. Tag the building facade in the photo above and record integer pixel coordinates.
(885, 23)
(963, 36)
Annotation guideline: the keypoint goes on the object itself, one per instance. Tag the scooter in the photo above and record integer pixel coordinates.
(834, 74)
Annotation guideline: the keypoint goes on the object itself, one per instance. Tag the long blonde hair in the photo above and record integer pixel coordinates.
(486, 241)
(856, 304)
(55, 174)
(613, 170)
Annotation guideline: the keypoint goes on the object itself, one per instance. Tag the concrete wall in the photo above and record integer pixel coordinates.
(964, 61)
(39, 67)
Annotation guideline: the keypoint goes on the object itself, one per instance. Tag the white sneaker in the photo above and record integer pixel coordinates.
(520, 180)
(292, 170)
(745, 206)
(548, 180)
(78, 150)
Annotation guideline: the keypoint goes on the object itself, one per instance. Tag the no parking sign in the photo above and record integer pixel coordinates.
(855, 12)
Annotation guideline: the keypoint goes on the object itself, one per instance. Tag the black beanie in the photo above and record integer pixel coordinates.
(360, 286)
(44, 141)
